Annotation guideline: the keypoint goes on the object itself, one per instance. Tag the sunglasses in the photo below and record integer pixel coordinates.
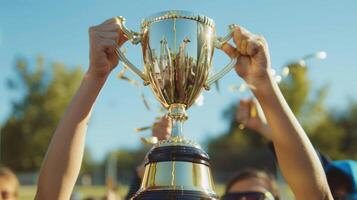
(249, 196)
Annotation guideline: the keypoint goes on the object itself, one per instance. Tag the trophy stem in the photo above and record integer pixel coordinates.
(176, 128)
(177, 112)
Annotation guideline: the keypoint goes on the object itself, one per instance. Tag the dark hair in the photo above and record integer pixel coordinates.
(337, 179)
(254, 173)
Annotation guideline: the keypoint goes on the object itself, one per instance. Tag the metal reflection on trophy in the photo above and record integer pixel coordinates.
(177, 48)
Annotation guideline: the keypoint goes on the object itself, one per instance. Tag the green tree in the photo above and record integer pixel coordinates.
(46, 93)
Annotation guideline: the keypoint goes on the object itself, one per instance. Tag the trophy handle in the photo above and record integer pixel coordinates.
(135, 38)
(219, 42)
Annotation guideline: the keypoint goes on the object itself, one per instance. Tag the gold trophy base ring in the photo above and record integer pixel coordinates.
(184, 173)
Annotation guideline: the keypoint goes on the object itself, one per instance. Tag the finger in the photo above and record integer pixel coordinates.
(107, 44)
(244, 34)
(111, 20)
(243, 113)
(243, 47)
(242, 65)
(240, 34)
(112, 54)
(156, 123)
(108, 27)
(108, 35)
(252, 47)
(122, 38)
(256, 45)
(166, 119)
(229, 50)
(262, 41)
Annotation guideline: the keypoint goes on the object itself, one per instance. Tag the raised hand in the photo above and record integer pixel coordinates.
(162, 128)
(250, 114)
(253, 60)
(105, 38)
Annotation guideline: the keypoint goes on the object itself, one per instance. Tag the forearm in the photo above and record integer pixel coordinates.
(296, 156)
(63, 160)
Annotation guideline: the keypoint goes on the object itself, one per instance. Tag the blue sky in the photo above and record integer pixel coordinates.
(58, 31)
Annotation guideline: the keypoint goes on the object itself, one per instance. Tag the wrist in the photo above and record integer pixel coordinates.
(93, 76)
(265, 88)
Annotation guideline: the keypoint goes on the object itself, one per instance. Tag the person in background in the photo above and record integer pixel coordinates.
(251, 184)
(296, 156)
(341, 175)
(342, 178)
(9, 184)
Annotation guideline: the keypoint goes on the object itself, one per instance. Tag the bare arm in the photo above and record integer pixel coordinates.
(296, 156)
(61, 166)
(62, 163)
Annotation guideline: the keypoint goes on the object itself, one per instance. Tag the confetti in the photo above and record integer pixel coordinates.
(143, 128)
(151, 140)
(285, 71)
(278, 78)
(199, 101)
(146, 103)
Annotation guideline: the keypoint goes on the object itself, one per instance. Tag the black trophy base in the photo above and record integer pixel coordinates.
(174, 195)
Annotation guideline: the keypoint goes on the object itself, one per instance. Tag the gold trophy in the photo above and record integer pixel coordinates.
(177, 49)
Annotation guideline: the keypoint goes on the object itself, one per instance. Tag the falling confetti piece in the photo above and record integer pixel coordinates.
(253, 112)
(121, 73)
(302, 63)
(233, 88)
(217, 86)
(272, 72)
(286, 71)
(321, 55)
(199, 101)
(151, 140)
(162, 109)
(146, 103)
(131, 81)
(143, 128)
(242, 87)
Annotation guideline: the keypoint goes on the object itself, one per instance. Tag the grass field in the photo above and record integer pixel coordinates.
(28, 192)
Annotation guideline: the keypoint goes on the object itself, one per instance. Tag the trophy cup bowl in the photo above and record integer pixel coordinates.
(177, 48)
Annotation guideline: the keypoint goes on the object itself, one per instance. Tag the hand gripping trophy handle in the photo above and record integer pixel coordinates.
(134, 38)
(219, 42)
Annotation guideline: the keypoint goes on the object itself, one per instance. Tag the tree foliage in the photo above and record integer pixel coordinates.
(35, 115)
